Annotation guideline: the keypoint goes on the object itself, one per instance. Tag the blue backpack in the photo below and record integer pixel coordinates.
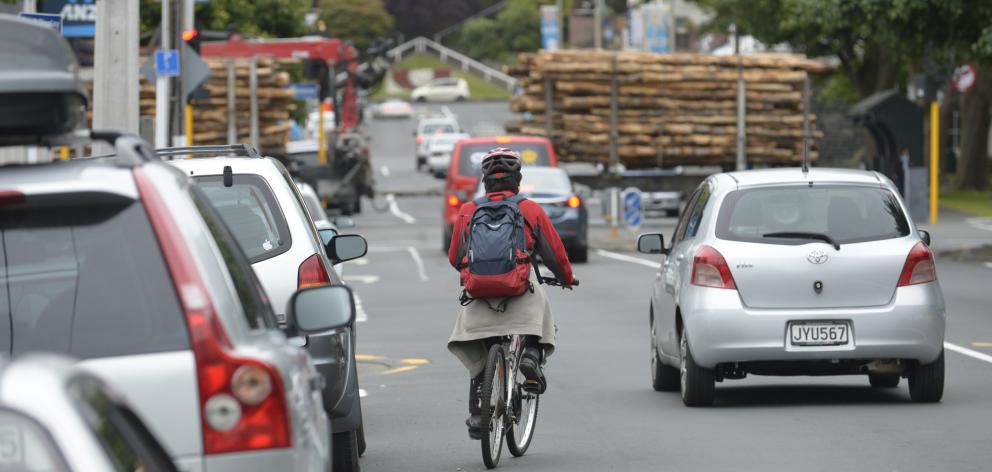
(498, 261)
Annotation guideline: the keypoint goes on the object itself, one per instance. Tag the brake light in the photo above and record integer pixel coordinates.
(453, 200)
(919, 267)
(420, 139)
(11, 197)
(312, 273)
(242, 401)
(574, 201)
(710, 269)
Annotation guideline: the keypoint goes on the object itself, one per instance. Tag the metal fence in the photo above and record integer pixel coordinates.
(455, 58)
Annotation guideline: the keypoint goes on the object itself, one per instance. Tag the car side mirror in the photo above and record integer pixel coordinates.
(924, 235)
(651, 243)
(323, 308)
(342, 221)
(346, 247)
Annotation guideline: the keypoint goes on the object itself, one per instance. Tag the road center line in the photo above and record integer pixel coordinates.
(395, 210)
(968, 352)
(631, 259)
(415, 254)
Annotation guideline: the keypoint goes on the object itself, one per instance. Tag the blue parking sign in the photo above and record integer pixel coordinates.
(167, 63)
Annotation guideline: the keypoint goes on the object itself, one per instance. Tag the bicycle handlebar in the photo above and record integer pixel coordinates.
(557, 283)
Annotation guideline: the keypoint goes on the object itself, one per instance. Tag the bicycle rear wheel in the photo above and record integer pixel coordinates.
(493, 406)
(521, 430)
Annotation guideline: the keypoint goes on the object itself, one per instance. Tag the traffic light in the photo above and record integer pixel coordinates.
(192, 38)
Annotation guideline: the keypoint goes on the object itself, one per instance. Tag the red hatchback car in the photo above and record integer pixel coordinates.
(466, 169)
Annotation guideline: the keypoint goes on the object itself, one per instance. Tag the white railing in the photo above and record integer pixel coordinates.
(421, 45)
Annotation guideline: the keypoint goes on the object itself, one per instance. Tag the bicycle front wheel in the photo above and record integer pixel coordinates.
(493, 406)
(521, 430)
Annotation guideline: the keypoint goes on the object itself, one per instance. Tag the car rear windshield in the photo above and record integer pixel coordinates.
(470, 156)
(88, 281)
(544, 182)
(251, 211)
(433, 128)
(847, 214)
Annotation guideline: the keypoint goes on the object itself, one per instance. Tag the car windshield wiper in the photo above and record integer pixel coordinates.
(804, 235)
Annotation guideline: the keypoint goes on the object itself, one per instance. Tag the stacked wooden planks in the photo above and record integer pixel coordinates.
(672, 109)
(210, 114)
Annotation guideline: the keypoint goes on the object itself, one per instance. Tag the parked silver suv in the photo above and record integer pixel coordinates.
(784, 272)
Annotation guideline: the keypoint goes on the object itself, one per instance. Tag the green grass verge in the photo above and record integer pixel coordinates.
(968, 201)
(480, 89)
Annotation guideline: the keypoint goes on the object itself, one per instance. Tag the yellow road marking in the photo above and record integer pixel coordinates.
(368, 357)
(397, 370)
(982, 344)
(415, 361)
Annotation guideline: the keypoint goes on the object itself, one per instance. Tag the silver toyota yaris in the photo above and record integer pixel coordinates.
(785, 272)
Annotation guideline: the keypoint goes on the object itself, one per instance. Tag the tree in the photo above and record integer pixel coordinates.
(263, 18)
(428, 17)
(516, 28)
(356, 21)
(880, 43)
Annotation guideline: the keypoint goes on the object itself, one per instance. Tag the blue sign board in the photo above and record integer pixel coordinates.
(549, 27)
(167, 62)
(53, 21)
(78, 16)
(632, 207)
(656, 24)
(304, 91)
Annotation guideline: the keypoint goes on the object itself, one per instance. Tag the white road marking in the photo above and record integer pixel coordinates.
(384, 170)
(395, 210)
(415, 254)
(981, 223)
(631, 259)
(365, 279)
(362, 393)
(360, 315)
(968, 352)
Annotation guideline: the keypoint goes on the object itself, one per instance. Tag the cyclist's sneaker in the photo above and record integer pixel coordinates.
(474, 424)
(530, 366)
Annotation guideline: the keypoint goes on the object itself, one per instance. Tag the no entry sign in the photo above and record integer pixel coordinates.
(964, 78)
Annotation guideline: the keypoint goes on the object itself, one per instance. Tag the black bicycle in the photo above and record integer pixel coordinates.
(509, 408)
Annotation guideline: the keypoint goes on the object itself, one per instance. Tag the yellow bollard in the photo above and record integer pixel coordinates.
(934, 160)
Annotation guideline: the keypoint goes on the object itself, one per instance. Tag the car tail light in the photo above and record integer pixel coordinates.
(242, 401)
(453, 200)
(574, 201)
(919, 267)
(710, 269)
(11, 197)
(312, 273)
(420, 139)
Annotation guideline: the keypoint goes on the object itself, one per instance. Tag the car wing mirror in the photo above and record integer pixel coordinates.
(322, 308)
(651, 243)
(924, 235)
(346, 247)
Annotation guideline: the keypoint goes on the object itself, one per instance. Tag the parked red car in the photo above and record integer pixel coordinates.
(466, 169)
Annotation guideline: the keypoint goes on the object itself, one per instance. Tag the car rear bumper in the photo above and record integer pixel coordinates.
(722, 330)
(439, 162)
(292, 459)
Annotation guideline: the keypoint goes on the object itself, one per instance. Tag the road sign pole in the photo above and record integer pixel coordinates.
(934, 160)
(162, 86)
(614, 212)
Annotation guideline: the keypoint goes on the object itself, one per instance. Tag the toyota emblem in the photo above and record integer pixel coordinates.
(817, 257)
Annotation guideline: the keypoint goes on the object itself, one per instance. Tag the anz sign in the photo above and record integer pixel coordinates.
(78, 16)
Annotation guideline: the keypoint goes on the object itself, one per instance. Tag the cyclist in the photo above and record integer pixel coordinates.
(528, 314)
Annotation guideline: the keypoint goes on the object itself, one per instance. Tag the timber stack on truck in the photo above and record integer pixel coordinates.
(341, 174)
(645, 115)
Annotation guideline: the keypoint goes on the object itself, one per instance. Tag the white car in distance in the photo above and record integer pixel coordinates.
(442, 90)
(439, 148)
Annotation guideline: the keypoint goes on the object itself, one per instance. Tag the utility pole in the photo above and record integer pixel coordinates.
(162, 84)
(188, 14)
(561, 23)
(597, 24)
(115, 66)
(741, 105)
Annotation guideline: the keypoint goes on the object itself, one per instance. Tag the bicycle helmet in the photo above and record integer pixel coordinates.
(501, 170)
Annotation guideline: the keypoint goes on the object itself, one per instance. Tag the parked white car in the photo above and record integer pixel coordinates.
(442, 90)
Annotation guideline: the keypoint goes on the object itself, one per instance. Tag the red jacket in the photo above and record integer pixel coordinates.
(549, 245)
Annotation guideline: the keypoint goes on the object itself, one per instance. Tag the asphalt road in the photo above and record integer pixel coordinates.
(600, 412)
